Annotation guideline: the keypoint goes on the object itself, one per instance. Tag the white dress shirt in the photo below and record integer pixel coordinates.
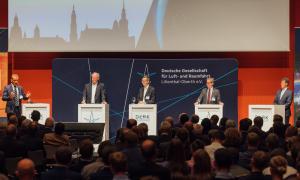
(94, 87)
(145, 91)
(282, 92)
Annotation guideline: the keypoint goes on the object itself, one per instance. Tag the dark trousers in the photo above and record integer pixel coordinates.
(287, 120)
(17, 111)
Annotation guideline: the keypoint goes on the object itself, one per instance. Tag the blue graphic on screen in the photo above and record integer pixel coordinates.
(175, 92)
(297, 75)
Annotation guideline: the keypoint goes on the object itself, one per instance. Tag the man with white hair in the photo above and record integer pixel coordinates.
(94, 92)
(209, 95)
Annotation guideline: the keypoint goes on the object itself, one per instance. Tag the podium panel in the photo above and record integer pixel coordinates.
(207, 110)
(145, 113)
(266, 112)
(43, 108)
(95, 113)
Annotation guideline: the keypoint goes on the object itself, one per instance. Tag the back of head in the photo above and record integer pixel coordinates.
(214, 119)
(230, 124)
(49, 122)
(222, 159)
(291, 131)
(202, 163)
(11, 130)
(59, 128)
(35, 115)
(272, 141)
(258, 121)
(144, 128)
(107, 151)
(232, 137)
(206, 124)
(253, 139)
(176, 151)
(25, 169)
(183, 117)
(189, 126)
(278, 166)
(63, 155)
(279, 129)
(223, 121)
(195, 119)
(169, 119)
(244, 124)
(165, 128)
(131, 138)
(13, 120)
(33, 129)
(183, 135)
(131, 123)
(277, 118)
(118, 162)
(215, 134)
(86, 149)
(197, 144)
(101, 146)
(148, 149)
(260, 160)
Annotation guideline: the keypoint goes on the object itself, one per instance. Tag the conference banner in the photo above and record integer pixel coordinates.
(177, 84)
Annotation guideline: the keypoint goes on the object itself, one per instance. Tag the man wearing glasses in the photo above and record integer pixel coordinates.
(209, 95)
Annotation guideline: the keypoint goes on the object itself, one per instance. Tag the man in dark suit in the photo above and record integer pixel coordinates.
(146, 93)
(209, 95)
(94, 92)
(13, 94)
(284, 96)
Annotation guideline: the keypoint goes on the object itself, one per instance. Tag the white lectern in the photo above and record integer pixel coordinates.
(266, 112)
(43, 108)
(95, 113)
(144, 113)
(207, 110)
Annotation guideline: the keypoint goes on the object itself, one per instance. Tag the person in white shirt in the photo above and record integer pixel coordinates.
(146, 93)
(94, 92)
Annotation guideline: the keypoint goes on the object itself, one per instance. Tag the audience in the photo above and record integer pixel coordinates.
(187, 150)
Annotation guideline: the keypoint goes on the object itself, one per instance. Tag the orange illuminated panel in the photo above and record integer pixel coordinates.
(3, 79)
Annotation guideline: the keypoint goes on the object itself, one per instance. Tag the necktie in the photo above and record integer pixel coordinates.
(16, 98)
(208, 97)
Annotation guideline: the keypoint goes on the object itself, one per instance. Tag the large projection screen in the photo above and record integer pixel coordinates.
(148, 25)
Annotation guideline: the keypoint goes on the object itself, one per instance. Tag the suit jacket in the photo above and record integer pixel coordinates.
(56, 140)
(10, 105)
(100, 94)
(149, 97)
(286, 100)
(60, 173)
(215, 97)
(13, 147)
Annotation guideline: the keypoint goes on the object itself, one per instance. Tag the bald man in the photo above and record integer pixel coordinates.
(13, 94)
(25, 169)
(94, 92)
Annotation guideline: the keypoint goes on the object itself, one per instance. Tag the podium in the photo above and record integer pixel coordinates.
(95, 113)
(43, 108)
(266, 112)
(207, 110)
(145, 113)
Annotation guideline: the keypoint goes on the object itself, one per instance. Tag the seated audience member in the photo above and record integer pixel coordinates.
(131, 123)
(216, 143)
(183, 135)
(196, 145)
(236, 170)
(183, 118)
(105, 172)
(232, 138)
(10, 145)
(259, 122)
(195, 119)
(25, 170)
(120, 138)
(36, 116)
(252, 144)
(49, 125)
(118, 163)
(206, 124)
(98, 164)
(272, 142)
(230, 124)
(12, 120)
(60, 170)
(20, 120)
(86, 150)
(223, 164)
(176, 160)
(223, 121)
(244, 127)
(24, 128)
(170, 120)
(31, 139)
(278, 167)
(149, 167)
(202, 165)
(58, 138)
(132, 151)
(259, 162)
(214, 119)
(144, 128)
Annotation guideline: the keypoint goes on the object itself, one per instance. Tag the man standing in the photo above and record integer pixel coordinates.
(209, 95)
(284, 96)
(13, 94)
(146, 93)
(94, 92)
